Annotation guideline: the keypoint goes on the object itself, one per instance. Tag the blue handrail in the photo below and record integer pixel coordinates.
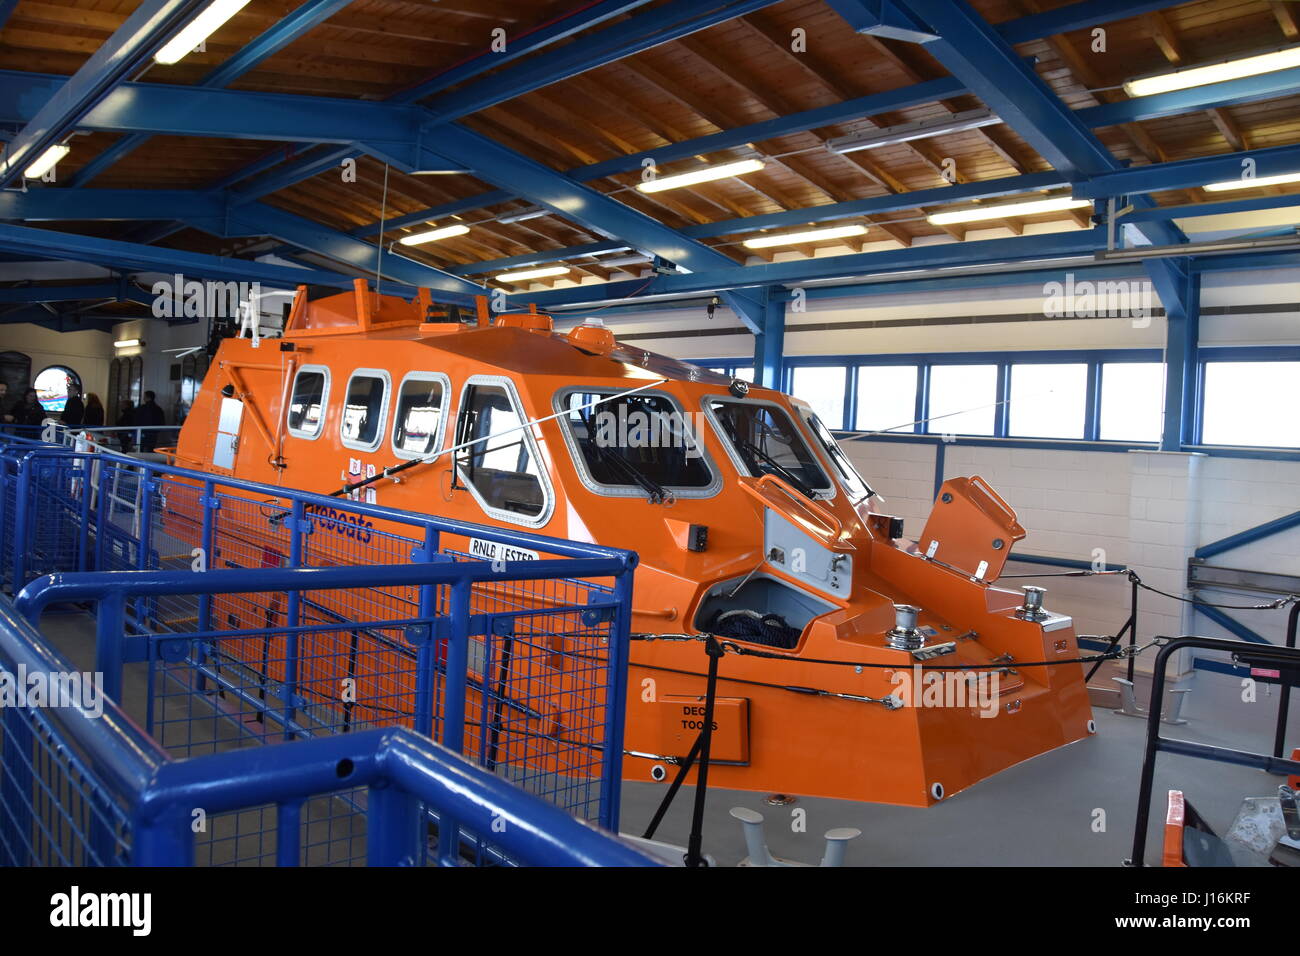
(403, 771)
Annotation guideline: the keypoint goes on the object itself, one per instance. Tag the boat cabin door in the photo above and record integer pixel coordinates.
(226, 441)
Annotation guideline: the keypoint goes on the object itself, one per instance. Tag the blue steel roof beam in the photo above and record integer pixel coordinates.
(1188, 173)
(974, 53)
(891, 202)
(530, 41)
(623, 39)
(107, 204)
(284, 32)
(672, 21)
(142, 33)
(1189, 210)
(1247, 89)
(60, 293)
(258, 219)
(903, 98)
(504, 167)
(982, 251)
(65, 246)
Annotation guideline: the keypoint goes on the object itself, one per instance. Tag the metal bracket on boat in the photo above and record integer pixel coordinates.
(1129, 706)
(751, 821)
(933, 651)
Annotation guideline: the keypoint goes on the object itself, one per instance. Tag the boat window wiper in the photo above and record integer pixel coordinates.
(802, 486)
(655, 492)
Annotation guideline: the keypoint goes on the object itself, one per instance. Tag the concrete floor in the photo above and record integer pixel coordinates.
(1044, 812)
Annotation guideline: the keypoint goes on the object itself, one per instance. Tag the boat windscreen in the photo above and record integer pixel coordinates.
(638, 441)
(769, 443)
(853, 482)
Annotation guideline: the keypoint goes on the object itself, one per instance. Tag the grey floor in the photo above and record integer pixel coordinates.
(1071, 807)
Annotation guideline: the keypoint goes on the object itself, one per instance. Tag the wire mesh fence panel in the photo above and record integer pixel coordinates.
(55, 809)
(514, 673)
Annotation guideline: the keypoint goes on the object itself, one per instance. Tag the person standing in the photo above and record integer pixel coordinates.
(149, 413)
(74, 409)
(5, 416)
(125, 419)
(29, 411)
(94, 412)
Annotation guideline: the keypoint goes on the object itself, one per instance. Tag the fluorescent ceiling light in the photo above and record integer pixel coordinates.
(46, 161)
(919, 129)
(432, 235)
(127, 343)
(1214, 73)
(1031, 208)
(527, 274)
(798, 238)
(523, 216)
(1255, 183)
(701, 176)
(199, 29)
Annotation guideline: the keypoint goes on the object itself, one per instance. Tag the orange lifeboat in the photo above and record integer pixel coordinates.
(871, 666)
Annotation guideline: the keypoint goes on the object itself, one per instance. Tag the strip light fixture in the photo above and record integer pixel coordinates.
(46, 161)
(527, 274)
(799, 238)
(1253, 183)
(128, 343)
(1214, 72)
(708, 174)
(433, 235)
(918, 129)
(212, 18)
(1007, 210)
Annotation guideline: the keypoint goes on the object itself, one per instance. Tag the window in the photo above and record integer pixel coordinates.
(1132, 401)
(307, 404)
(745, 374)
(501, 466)
(823, 388)
(637, 443)
(52, 387)
(849, 477)
(765, 441)
(886, 398)
(363, 412)
(1048, 400)
(963, 399)
(418, 420)
(1251, 403)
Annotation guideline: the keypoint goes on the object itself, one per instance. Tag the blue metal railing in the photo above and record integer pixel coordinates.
(85, 790)
(306, 586)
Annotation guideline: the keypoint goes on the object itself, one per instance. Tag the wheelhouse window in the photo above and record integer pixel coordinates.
(634, 443)
(501, 466)
(765, 441)
(307, 403)
(363, 412)
(853, 482)
(418, 419)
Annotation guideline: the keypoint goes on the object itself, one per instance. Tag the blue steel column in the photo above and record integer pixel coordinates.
(769, 345)
(1182, 332)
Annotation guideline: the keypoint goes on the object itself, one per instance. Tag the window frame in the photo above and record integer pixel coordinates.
(324, 403)
(544, 474)
(421, 376)
(631, 490)
(825, 493)
(1237, 354)
(381, 429)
